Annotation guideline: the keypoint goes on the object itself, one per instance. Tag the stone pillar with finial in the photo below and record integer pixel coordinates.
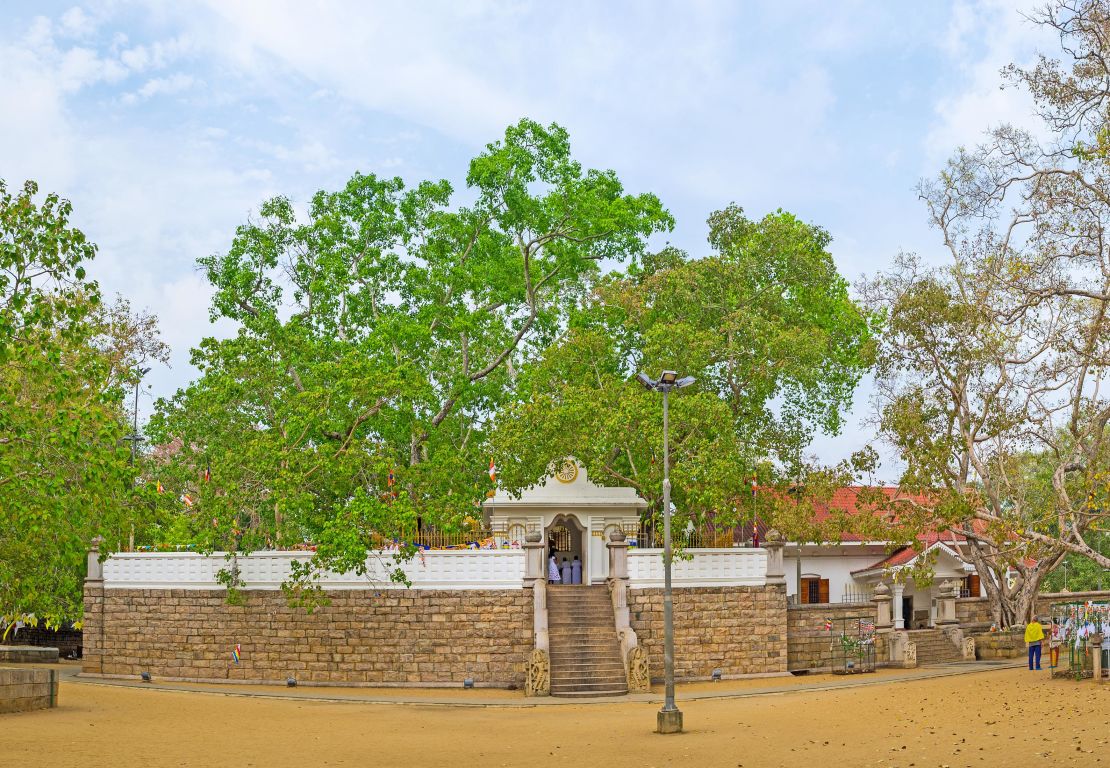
(534, 566)
(773, 543)
(92, 652)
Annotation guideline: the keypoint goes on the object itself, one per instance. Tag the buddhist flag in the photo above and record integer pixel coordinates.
(492, 471)
(187, 499)
(207, 471)
(235, 653)
(158, 486)
(392, 479)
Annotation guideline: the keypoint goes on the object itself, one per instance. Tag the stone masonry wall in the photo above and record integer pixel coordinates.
(810, 644)
(364, 637)
(972, 611)
(739, 630)
(22, 690)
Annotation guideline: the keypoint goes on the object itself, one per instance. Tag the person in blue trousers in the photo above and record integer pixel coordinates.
(1034, 636)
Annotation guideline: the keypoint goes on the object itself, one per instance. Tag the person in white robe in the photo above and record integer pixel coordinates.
(576, 571)
(566, 571)
(553, 569)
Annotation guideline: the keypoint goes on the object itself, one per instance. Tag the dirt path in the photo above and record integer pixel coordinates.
(987, 719)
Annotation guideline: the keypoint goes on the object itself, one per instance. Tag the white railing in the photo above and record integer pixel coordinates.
(745, 567)
(436, 569)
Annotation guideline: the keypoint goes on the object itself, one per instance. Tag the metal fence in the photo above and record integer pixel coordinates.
(699, 537)
(854, 595)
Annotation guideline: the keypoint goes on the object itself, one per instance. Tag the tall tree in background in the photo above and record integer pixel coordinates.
(767, 328)
(65, 360)
(378, 334)
(993, 373)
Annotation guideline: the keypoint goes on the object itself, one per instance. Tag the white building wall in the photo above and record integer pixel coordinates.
(702, 568)
(435, 569)
(836, 568)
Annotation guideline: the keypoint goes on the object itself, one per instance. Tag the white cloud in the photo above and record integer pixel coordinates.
(983, 37)
(158, 86)
(76, 23)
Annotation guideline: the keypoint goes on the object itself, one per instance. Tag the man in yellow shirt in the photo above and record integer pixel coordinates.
(1034, 634)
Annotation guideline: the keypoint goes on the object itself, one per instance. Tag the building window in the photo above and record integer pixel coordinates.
(814, 590)
(971, 586)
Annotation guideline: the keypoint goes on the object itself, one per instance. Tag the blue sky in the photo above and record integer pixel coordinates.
(168, 123)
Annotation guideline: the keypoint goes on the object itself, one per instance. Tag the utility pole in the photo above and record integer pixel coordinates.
(135, 438)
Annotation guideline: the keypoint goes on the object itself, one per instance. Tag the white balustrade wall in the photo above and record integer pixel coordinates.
(436, 569)
(744, 567)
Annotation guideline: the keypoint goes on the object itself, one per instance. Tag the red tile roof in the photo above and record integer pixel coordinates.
(846, 499)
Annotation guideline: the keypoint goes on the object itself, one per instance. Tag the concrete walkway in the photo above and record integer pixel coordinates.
(487, 697)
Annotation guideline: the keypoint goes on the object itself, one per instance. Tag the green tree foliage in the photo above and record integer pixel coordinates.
(64, 361)
(379, 332)
(767, 328)
(992, 373)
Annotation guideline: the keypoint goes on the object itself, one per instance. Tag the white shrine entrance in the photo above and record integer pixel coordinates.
(572, 513)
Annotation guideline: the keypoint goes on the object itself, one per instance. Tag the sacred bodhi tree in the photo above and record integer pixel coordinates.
(992, 374)
(776, 345)
(66, 361)
(376, 335)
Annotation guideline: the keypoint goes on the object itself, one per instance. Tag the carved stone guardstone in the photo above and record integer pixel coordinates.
(639, 676)
(969, 649)
(903, 653)
(537, 681)
(909, 655)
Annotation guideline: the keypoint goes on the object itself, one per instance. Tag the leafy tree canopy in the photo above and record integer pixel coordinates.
(65, 360)
(379, 332)
(768, 330)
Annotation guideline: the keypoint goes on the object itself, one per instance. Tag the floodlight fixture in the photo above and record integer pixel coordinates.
(668, 377)
(646, 380)
(685, 381)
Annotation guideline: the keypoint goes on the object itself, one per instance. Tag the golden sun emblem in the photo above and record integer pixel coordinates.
(567, 472)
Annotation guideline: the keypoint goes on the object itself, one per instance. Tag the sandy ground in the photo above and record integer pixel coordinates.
(1008, 716)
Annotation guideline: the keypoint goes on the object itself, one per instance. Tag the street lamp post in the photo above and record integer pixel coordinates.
(669, 718)
(135, 438)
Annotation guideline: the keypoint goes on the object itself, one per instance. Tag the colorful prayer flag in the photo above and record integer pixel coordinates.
(235, 653)
(158, 486)
(187, 499)
(208, 471)
(391, 478)
(492, 471)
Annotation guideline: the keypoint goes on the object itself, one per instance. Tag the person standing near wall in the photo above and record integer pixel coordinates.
(1034, 635)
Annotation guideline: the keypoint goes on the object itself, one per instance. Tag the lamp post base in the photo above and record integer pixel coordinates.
(669, 721)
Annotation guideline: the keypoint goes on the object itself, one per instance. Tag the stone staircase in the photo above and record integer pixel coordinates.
(585, 652)
(934, 647)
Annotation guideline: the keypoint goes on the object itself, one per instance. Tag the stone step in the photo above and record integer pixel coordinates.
(584, 651)
(589, 675)
(570, 630)
(589, 668)
(598, 685)
(590, 694)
